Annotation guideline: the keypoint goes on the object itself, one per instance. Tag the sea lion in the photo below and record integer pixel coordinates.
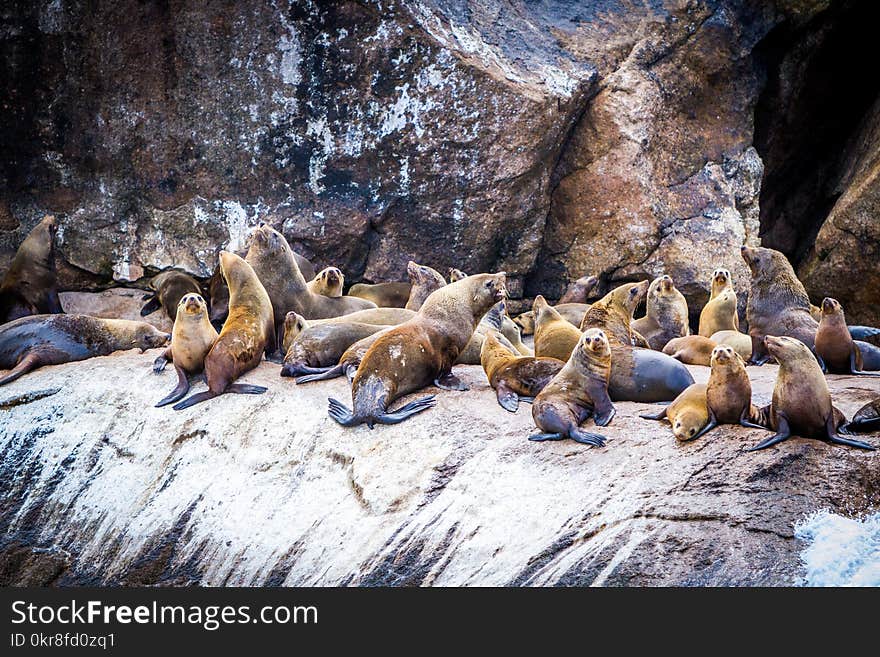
(317, 348)
(579, 291)
(740, 342)
(492, 323)
(423, 281)
(30, 342)
(30, 286)
(555, 337)
(456, 274)
(667, 316)
(778, 304)
(384, 295)
(613, 313)
(835, 348)
(169, 288)
(511, 331)
(719, 313)
(867, 418)
(691, 349)
(870, 355)
(418, 352)
(578, 391)
(801, 401)
(327, 282)
(729, 391)
(515, 378)
(688, 413)
(275, 265)
(191, 339)
(248, 332)
(571, 312)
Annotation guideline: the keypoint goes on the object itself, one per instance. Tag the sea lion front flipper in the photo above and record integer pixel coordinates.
(603, 409)
(194, 399)
(162, 360)
(659, 415)
(507, 398)
(837, 440)
(711, 424)
(821, 361)
(180, 391)
(783, 432)
(448, 381)
(25, 365)
(54, 302)
(639, 340)
(541, 437)
(246, 389)
(150, 306)
(586, 438)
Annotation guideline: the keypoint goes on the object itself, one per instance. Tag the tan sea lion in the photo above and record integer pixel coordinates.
(741, 342)
(384, 295)
(688, 413)
(511, 331)
(691, 349)
(613, 313)
(719, 313)
(248, 332)
(867, 418)
(579, 291)
(837, 351)
(169, 288)
(327, 282)
(729, 391)
(423, 281)
(667, 316)
(30, 342)
(386, 316)
(515, 378)
(418, 352)
(456, 274)
(317, 348)
(490, 323)
(801, 401)
(578, 391)
(555, 337)
(571, 312)
(191, 339)
(30, 286)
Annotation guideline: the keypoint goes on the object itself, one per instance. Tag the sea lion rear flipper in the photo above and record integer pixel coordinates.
(507, 398)
(862, 332)
(162, 360)
(837, 440)
(195, 399)
(341, 413)
(180, 391)
(407, 410)
(782, 433)
(246, 389)
(150, 306)
(328, 373)
(448, 381)
(586, 438)
(25, 365)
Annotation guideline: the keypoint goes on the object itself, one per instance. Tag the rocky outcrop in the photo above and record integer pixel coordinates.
(99, 487)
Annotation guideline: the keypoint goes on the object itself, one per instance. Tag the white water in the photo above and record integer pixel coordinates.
(841, 551)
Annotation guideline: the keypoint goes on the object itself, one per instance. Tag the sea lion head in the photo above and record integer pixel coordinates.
(294, 324)
(333, 279)
(267, 241)
(147, 336)
(191, 305)
(587, 283)
(235, 269)
(594, 343)
(687, 425)
(491, 351)
(50, 224)
(724, 355)
(785, 349)
(765, 263)
(831, 307)
(526, 322)
(662, 286)
(424, 275)
(490, 289)
(456, 274)
(630, 295)
(720, 277)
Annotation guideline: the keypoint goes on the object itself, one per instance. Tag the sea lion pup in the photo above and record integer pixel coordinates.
(418, 352)
(456, 274)
(515, 378)
(740, 342)
(555, 337)
(30, 286)
(835, 348)
(191, 339)
(778, 304)
(327, 282)
(571, 312)
(867, 418)
(688, 413)
(692, 349)
(30, 342)
(247, 333)
(384, 295)
(423, 280)
(667, 316)
(579, 390)
(720, 312)
(317, 348)
(169, 288)
(801, 401)
(578, 291)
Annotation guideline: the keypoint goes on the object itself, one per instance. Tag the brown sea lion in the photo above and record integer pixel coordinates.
(688, 413)
(579, 291)
(30, 286)
(719, 313)
(778, 304)
(578, 391)
(248, 332)
(191, 339)
(384, 295)
(418, 352)
(867, 418)
(555, 337)
(740, 342)
(273, 261)
(456, 274)
(515, 378)
(613, 312)
(691, 349)
(801, 401)
(317, 348)
(835, 348)
(327, 282)
(729, 391)
(30, 342)
(667, 316)
(169, 288)
(423, 280)
(571, 312)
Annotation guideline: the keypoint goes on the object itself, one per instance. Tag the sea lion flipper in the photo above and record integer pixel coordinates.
(341, 413)
(856, 364)
(783, 432)
(821, 361)
(53, 302)
(162, 360)
(638, 340)
(246, 389)
(603, 409)
(150, 306)
(194, 399)
(507, 398)
(711, 424)
(448, 381)
(328, 373)
(541, 437)
(527, 400)
(28, 363)
(407, 410)
(586, 438)
(659, 415)
(179, 391)
(838, 440)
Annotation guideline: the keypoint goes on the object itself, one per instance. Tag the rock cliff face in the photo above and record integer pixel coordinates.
(549, 140)
(99, 487)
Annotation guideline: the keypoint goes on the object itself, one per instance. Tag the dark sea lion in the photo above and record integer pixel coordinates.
(169, 288)
(571, 312)
(423, 281)
(741, 342)
(515, 378)
(578, 391)
(867, 418)
(31, 342)
(692, 349)
(579, 291)
(555, 337)
(801, 401)
(318, 348)
(384, 295)
(870, 355)
(191, 339)
(835, 348)
(778, 304)
(408, 357)
(720, 312)
(30, 286)
(667, 316)
(327, 282)
(248, 332)
(688, 413)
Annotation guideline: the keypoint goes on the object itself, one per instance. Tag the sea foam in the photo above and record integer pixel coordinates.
(840, 551)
